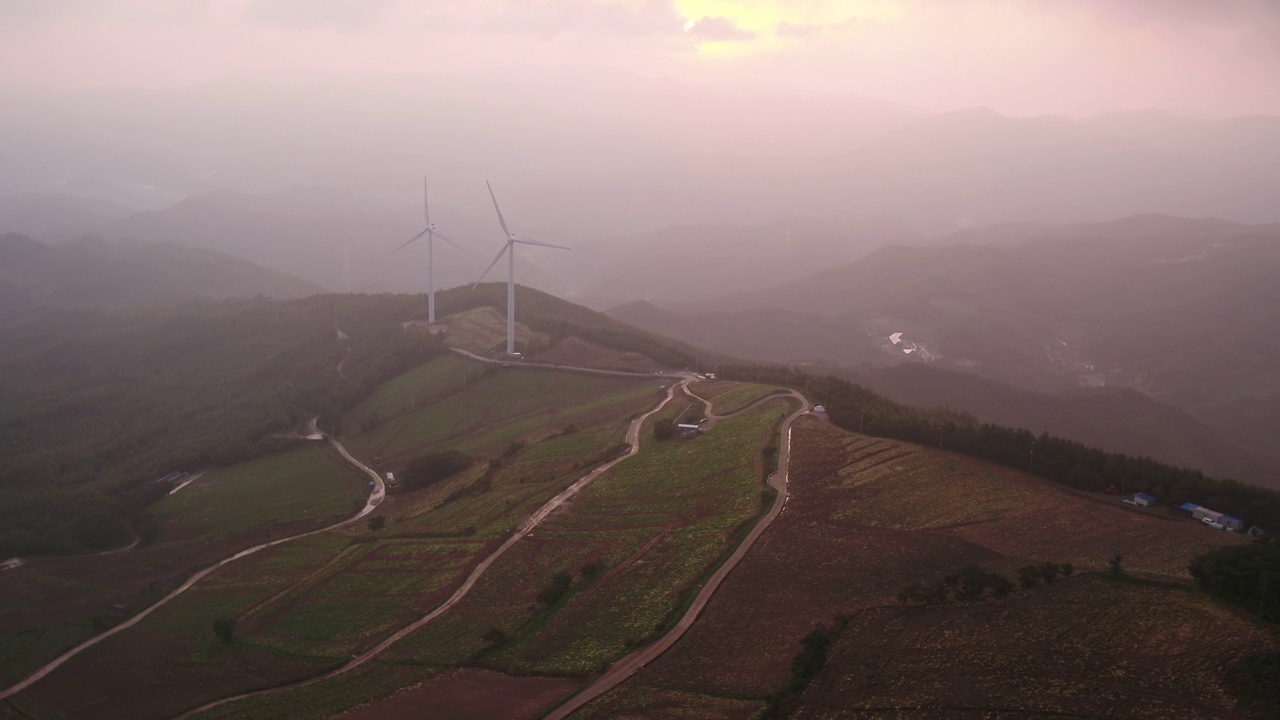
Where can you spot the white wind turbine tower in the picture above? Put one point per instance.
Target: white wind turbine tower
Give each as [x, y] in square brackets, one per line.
[509, 248]
[431, 233]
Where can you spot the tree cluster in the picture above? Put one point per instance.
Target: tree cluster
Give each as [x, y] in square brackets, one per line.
[1245, 575]
[664, 429]
[968, 583]
[433, 468]
[805, 666]
[1030, 576]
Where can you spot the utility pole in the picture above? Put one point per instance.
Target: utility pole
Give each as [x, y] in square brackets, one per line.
[1033, 457]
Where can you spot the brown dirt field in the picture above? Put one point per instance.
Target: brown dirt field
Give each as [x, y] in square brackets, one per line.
[1085, 646]
[670, 705]
[866, 517]
[468, 694]
[582, 353]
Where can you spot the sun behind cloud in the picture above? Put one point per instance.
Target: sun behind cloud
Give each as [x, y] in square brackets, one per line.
[769, 25]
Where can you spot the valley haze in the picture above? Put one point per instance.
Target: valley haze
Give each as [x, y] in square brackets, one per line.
[863, 358]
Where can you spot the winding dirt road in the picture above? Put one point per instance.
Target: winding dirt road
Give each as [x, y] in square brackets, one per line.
[375, 498]
[620, 671]
[531, 522]
[631, 664]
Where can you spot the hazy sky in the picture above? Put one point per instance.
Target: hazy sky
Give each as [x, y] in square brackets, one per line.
[1076, 57]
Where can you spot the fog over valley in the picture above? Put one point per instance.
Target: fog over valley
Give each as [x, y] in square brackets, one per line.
[738, 359]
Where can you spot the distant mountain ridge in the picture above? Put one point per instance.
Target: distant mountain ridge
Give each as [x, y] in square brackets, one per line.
[94, 271]
[628, 155]
[54, 217]
[1182, 310]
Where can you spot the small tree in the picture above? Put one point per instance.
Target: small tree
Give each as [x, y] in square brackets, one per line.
[377, 522]
[665, 429]
[556, 589]
[1049, 571]
[1029, 577]
[495, 636]
[1114, 564]
[225, 629]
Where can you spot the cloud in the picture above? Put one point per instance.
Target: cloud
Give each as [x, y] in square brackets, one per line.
[718, 29]
[603, 18]
[342, 14]
[803, 31]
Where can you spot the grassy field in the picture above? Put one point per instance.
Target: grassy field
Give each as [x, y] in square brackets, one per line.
[730, 397]
[529, 398]
[655, 524]
[421, 386]
[866, 518]
[311, 603]
[311, 485]
[483, 329]
[50, 605]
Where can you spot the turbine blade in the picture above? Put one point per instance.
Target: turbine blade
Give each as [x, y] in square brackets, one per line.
[426, 209]
[505, 246]
[442, 237]
[527, 241]
[406, 242]
[501, 221]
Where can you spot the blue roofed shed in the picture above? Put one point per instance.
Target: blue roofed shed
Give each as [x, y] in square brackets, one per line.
[1143, 499]
[1189, 507]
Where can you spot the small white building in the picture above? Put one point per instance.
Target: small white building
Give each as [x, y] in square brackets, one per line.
[688, 430]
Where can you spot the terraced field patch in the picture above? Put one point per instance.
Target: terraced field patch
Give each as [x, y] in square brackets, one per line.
[316, 601]
[1087, 646]
[867, 517]
[633, 545]
[730, 397]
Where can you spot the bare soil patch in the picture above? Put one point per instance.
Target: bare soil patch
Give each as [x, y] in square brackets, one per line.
[468, 694]
[1086, 646]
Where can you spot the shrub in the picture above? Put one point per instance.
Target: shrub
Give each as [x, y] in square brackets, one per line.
[433, 468]
[968, 583]
[1113, 565]
[225, 629]
[665, 429]
[556, 589]
[495, 636]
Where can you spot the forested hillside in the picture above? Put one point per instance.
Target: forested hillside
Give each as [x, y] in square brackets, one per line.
[94, 403]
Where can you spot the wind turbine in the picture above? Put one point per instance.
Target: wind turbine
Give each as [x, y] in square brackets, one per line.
[431, 233]
[509, 248]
